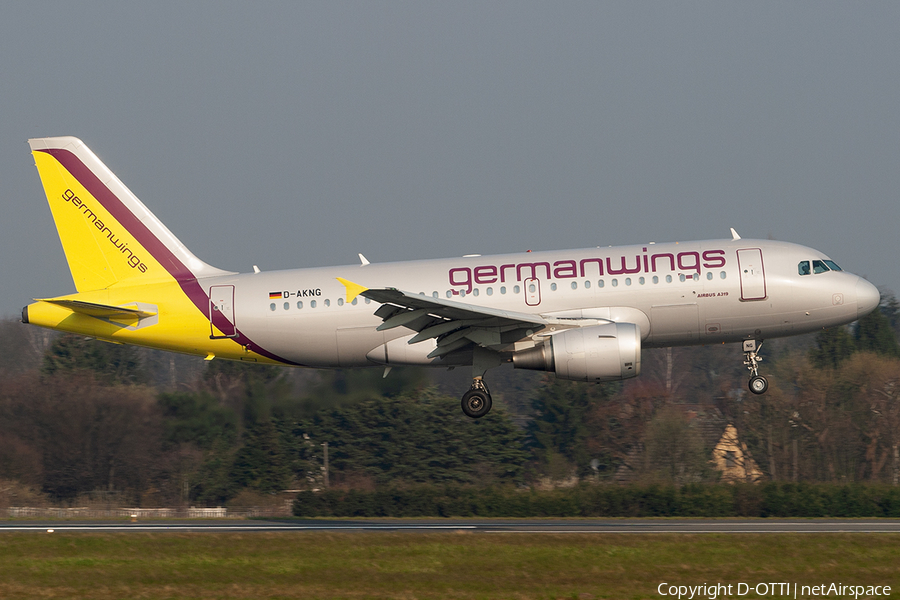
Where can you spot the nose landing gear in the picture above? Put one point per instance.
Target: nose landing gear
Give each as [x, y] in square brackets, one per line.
[477, 401]
[758, 384]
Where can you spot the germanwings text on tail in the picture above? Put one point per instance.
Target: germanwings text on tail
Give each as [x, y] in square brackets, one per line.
[582, 314]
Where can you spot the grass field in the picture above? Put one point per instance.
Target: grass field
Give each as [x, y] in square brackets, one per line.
[427, 565]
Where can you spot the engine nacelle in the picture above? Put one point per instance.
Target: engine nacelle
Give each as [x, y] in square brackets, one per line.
[607, 352]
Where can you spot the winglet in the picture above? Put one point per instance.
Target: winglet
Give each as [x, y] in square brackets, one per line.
[353, 289]
[734, 234]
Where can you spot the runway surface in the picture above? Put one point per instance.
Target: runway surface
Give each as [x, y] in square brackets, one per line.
[555, 526]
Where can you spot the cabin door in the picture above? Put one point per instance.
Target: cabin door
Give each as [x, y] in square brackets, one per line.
[753, 275]
[221, 311]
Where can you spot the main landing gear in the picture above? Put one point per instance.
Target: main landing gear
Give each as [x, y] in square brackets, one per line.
[477, 401]
[758, 384]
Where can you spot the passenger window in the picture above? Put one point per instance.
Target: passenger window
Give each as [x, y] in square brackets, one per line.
[475, 292]
[600, 283]
[327, 302]
[574, 285]
[803, 267]
[312, 303]
[709, 275]
[615, 282]
[552, 287]
[272, 306]
[299, 305]
[668, 279]
[516, 289]
[819, 267]
[502, 289]
[355, 300]
[490, 291]
[722, 274]
[655, 279]
[287, 305]
[587, 285]
[341, 301]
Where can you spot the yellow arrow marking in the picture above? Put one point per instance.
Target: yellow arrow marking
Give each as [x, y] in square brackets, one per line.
[353, 289]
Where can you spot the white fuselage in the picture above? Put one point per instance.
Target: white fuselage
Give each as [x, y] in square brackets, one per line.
[678, 293]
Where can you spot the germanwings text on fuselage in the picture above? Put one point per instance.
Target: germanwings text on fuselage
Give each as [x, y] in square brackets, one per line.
[687, 262]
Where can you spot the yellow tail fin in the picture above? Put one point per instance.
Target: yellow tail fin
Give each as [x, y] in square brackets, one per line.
[108, 235]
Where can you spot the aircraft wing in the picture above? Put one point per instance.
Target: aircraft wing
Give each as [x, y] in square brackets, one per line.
[455, 325]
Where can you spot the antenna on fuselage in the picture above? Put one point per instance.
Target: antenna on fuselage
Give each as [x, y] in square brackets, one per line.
[734, 235]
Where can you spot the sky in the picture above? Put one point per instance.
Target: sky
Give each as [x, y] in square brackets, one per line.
[297, 134]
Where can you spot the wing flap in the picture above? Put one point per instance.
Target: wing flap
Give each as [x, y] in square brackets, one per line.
[402, 318]
[439, 329]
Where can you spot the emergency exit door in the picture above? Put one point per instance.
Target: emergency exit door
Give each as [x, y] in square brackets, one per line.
[753, 274]
[532, 292]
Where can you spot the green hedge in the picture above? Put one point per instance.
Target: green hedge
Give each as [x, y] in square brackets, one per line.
[741, 500]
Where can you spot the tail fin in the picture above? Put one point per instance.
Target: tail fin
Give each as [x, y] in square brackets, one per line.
[108, 235]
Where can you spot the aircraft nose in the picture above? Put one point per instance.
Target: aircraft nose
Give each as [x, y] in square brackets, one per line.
[867, 297]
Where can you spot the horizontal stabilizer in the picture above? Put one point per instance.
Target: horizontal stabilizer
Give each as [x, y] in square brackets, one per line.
[101, 311]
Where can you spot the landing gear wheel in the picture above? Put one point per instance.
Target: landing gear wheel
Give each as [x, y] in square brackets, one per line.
[476, 403]
[758, 385]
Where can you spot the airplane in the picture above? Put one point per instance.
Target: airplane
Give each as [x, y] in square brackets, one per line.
[582, 314]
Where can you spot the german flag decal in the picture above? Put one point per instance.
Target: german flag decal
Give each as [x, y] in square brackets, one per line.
[274, 295]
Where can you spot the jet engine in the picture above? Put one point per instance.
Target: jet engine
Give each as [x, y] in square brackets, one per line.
[606, 352]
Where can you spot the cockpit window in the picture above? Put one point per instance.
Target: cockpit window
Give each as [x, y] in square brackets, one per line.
[819, 267]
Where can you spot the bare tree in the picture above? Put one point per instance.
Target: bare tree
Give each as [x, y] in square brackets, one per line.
[89, 437]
